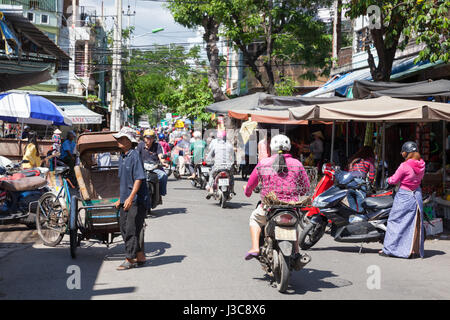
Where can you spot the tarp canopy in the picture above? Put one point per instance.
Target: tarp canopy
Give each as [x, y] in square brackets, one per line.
[341, 84]
[375, 110]
[31, 109]
[438, 88]
[363, 88]
[266, 101]
[79, 114]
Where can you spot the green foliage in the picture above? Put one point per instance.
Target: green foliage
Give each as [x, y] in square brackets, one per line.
[425, 20]
[167, 76]
[289, 28]
[285, 87]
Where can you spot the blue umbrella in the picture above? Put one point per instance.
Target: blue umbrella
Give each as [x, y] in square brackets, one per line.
[29, 108]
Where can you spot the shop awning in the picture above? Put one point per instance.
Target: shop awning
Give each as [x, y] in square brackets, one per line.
[264, 101]
[341, 84]
[265, 116]
[381, 109]
[79, 114]
[438, 88]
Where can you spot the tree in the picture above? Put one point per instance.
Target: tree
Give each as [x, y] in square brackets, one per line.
[395, 23]
[285, 33]
[203, 14]
[167, 76]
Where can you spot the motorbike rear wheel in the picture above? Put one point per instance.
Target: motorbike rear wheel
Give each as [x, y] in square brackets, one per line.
[310, 235]
[282, 273]
[177, 175]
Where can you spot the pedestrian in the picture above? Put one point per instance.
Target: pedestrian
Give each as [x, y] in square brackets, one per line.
[31, 154]
[316, 146]
[405, 235]
[134, 199]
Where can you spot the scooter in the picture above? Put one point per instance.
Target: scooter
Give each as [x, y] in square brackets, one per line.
[153, 185]
[201, 175]
[277, 242]
[223, 187]
[365, 223]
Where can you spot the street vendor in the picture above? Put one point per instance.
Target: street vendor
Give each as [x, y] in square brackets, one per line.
[134, 200]
[31, 155]
[405, 231]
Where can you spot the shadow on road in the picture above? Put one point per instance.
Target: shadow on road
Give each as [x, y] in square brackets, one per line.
[310, 280]
[166, 212]
[45, 273]
[354, 249]
[237, 205]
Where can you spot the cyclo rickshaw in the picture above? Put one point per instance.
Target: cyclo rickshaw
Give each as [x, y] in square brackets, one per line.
[89, 213]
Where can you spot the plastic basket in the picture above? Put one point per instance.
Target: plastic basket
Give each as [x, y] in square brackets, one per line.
[287, 185]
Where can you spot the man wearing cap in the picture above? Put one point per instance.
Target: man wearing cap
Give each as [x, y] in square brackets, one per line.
[151, 152]
[134, 199]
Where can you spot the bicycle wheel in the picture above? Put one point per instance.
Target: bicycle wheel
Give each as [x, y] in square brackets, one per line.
[51, 220]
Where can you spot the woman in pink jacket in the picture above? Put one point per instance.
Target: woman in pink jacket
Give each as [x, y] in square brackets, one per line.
[279, 173]
[405, 235]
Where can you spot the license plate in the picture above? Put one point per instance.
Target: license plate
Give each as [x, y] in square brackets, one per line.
[205, 170]
[284, 233]
[224, 182]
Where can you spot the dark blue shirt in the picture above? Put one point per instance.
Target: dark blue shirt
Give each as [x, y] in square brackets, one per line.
[130, 170]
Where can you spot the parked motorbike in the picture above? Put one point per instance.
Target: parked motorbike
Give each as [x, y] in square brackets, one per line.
[277, 243]
[20, 191]
[364, 223]
[223, 187]
[201, 175]
[153, 185]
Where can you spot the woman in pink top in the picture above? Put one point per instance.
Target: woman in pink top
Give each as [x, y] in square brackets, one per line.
[404, 235]
[280, 173]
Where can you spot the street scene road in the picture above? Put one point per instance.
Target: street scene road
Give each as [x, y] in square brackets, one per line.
[195, 250]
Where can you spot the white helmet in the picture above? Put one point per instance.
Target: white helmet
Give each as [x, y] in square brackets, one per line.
[280, 142]
[197, 134]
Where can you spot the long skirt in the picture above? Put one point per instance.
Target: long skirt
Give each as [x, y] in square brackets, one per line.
[405, 230]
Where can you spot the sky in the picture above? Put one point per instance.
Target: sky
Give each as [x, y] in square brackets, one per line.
[149, 15]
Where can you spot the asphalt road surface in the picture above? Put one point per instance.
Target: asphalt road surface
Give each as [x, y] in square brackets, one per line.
[196, 250]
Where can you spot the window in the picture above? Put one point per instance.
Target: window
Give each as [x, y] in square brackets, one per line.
[44, 19]
[34, 4]
[30, 16]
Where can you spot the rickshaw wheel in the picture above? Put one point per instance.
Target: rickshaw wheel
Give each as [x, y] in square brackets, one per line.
[52, 211]
[73, 226]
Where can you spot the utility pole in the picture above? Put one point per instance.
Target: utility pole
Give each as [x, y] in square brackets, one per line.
[129, 14]
[116, 94]
[337, 32]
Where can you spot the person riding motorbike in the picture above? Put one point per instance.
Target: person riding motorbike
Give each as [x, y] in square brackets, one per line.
[198, 150]
[288, 180]
[181, 154]
[152, 152]
[223, 157]
[162, 141]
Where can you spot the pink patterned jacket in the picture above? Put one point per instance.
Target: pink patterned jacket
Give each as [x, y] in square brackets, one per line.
[287, 186]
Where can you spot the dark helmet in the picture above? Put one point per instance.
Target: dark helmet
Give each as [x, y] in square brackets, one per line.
[409, 147]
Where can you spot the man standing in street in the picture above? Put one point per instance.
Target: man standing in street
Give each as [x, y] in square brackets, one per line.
[134, 199]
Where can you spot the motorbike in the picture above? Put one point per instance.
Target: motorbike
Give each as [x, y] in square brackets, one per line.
[168, 169]
[277, 242]
[201, 175]
[324, 184]
[223, 187]
[20, 191]
[353, 219]
[176, 168]
[152, 185]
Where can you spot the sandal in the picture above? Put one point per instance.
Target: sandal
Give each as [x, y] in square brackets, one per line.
[251, 255]
[141, 263]
[126, 266]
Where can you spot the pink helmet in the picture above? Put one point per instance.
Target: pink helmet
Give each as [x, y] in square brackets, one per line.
[222, 134]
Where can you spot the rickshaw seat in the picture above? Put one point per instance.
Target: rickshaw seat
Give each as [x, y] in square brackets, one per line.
[95, 185]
